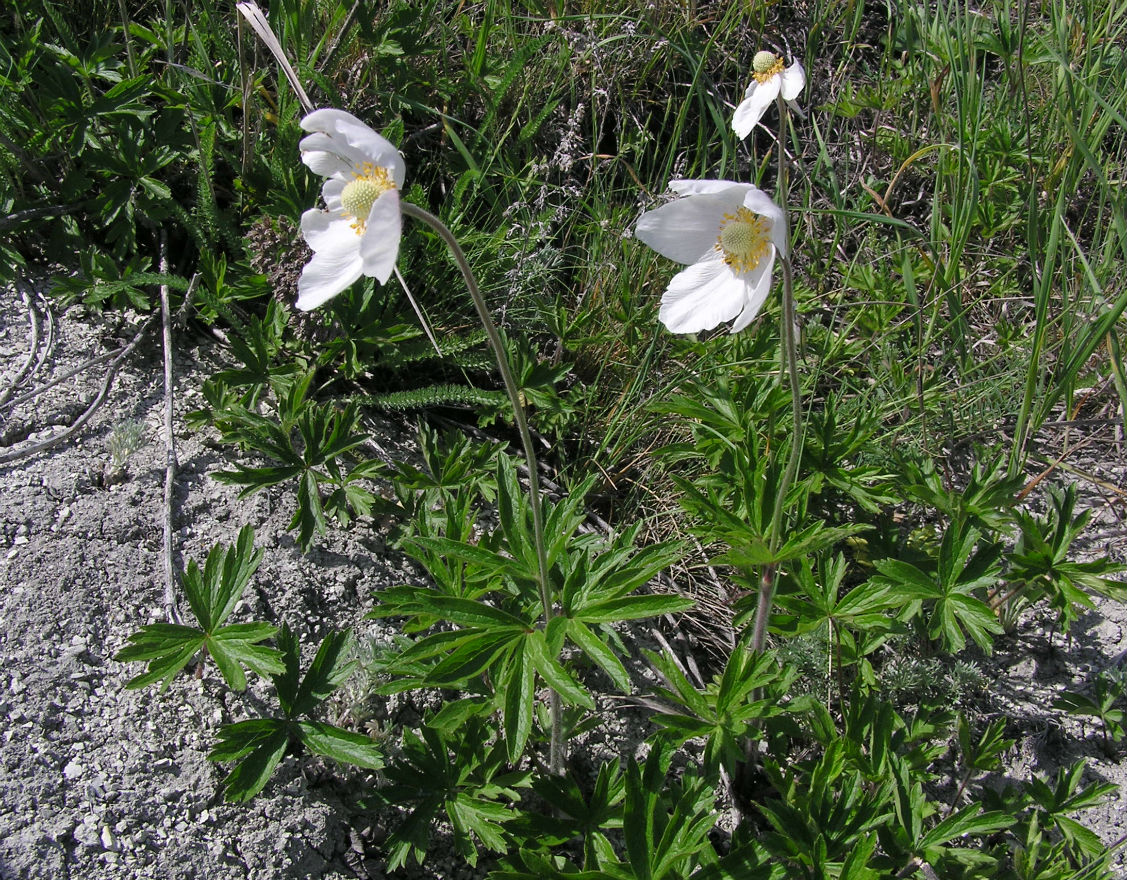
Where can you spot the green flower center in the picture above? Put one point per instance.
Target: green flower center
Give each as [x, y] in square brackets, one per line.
[360, 194]
[745, 239]
[766, 65]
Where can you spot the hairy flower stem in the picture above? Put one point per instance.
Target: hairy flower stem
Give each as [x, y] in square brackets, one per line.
[555, 754]
[770, 578]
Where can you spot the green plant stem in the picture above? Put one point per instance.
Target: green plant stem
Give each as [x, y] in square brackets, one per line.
[555, 755]
[770, 577]
[125, 36]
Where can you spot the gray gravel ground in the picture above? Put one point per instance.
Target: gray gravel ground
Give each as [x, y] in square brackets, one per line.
[98, 781]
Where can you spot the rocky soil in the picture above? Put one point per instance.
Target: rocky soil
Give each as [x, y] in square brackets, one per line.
[97, 781]
[102, 782]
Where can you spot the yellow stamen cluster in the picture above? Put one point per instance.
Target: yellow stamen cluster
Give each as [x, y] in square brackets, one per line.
[745, 239]
[361, 193]
[766, 65]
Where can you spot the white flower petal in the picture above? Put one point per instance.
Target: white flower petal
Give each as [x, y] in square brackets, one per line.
[336, 262]
[342, 134]
[758, 284]
[686, 229]
[323, 278]
[755, 103]
[379, 246]
[323, 156]
[760, 203]
[331, 192]
[332, 154]
[326, 119]
[794, 79]
[376, 148]
[328, 231]
[687, 187]
[702, 296]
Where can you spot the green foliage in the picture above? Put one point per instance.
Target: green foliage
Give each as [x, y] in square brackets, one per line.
[727, 712]
[953, 585]
[486, 591]
[986, 501]
[212, 594]
[455, 772]
[307, 443]
[256, 746]
[589, 815]
[1108, 690]
[1040, 568]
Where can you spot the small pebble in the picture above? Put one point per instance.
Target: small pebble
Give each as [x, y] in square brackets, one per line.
[88, 835]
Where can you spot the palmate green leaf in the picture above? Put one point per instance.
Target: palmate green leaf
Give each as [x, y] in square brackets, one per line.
[516, 683]
[213, 593]
[331, 667]
[413, 836]
[598, 651]
[812, 539]
[557, 678]
[956, 612]
[156, 639]
[963, 567]
[258, 746]
[621, 568]
[327, 432]
[239, 739]
[969, 820]
[984, 753]
[1066, 795]
[343, 746]
[485, 819]
[233, 647]
[815, 605]
[578, 809]
[167, 646]
[460, 770]
[633, 608]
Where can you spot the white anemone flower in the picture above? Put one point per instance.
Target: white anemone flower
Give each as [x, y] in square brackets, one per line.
[769, 77]
[728, 234]
[358, 231]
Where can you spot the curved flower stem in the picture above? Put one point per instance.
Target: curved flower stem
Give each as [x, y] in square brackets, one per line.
[555, 754]
[770, 577]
